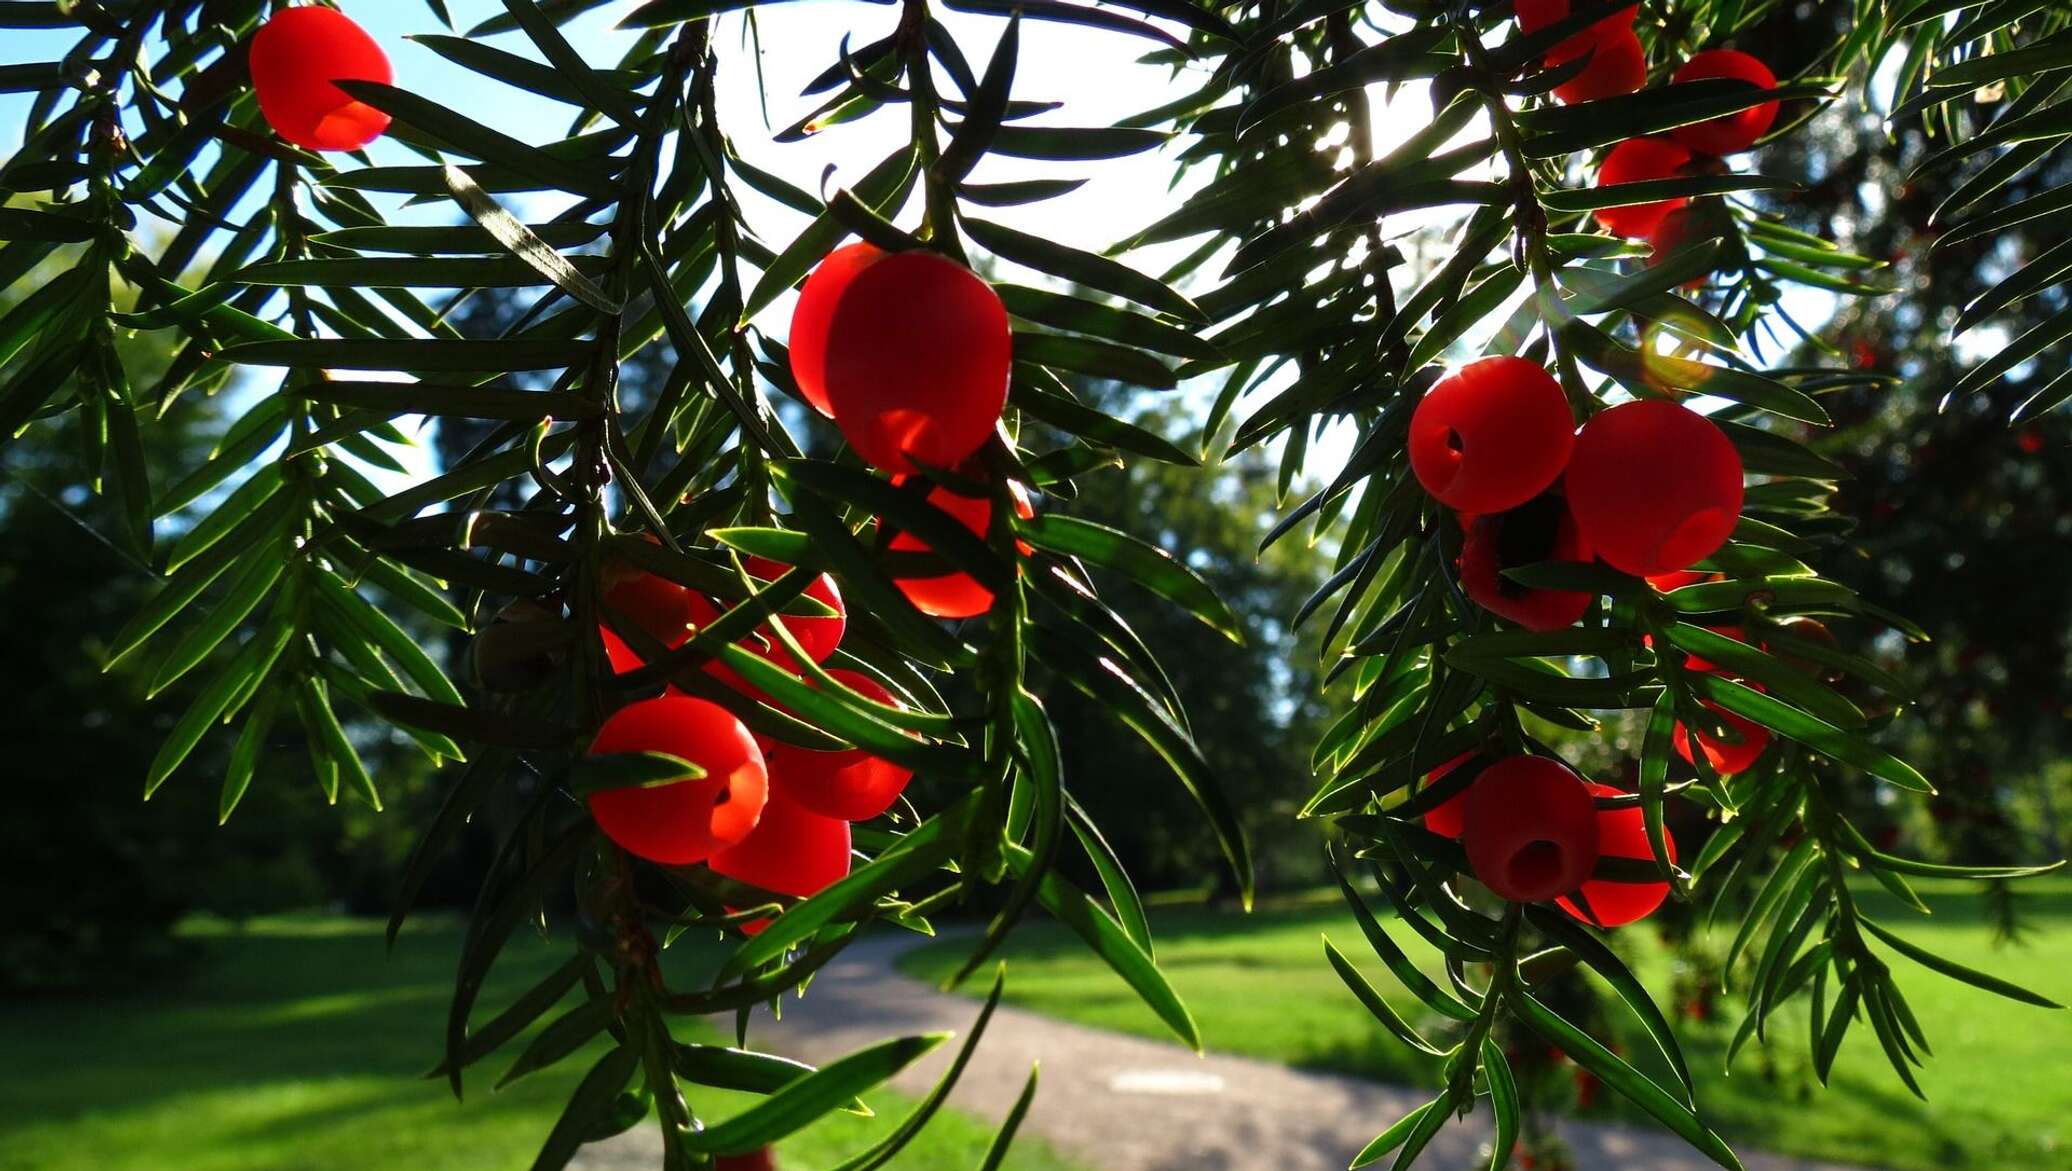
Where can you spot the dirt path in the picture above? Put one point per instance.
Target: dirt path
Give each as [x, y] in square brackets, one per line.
[1122, 1103]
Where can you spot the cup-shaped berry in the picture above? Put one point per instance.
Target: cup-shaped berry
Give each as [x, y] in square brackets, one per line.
[954, 594]
[850, 784]
[1640, 160]
[1618, 64]
[917, 359]
[1491, 436]
[1655, 487]
[1728, 133]
[1445, 817]
[815, 312]
[1530, 829]
[657, 606]
[816, 634]
[761, 1160]
[296, 57]
[685, 821]
[792, 851]
[1727, 757]
[1539, 530]
[1621, 833]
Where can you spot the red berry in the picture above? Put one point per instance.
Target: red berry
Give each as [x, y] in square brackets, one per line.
[817, 636]
[1726, 759]
[658, 606]
[1445, 818]
[792, 851]
[1729, 133]
[1664, 582]
[1530, 829]
[816, 311]
[1621, 833]
[954, 595]
[1618, 65]
[1491, 436]
[916, 361]
[296, 56]
[1539, 530]
[754, 1161]
[685, 822]
[1640, 160]
[1654, 486]
[850, 784]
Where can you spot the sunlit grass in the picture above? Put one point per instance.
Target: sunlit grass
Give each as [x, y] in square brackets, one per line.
[296, 1045]
[1998, 1096]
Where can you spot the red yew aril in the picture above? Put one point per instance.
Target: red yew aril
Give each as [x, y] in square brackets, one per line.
[817, 635]
[1728, 133]
[1539, 530]
[816, 311]
[1640, 160]
[685, 822]
[792, 851]
[1726, 758]
[658, 606]
[954, 595]
[916, 362]
[1654, 486]
[1665, 582]
[1530, 829]
[296, 56]
[1621, 833]
[761, 1160]
[1618, 65]
[850, 784]
[1445, 818]
[1491, 435]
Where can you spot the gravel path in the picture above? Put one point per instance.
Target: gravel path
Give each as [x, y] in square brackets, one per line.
[1121, 1103]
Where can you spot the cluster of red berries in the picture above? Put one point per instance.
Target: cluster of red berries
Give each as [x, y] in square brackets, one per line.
[1533, 831]
[766, 813]
[1664, 222]
[1648, 487]
[870, 349]
[296, 58]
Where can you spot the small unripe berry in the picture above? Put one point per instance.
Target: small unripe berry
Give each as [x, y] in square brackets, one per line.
[1445, 818]
[1654, 486]
[792, 851]
[954, 595]
[1621, 833]
[850, 784]
[913, 359]
[1640, 160]
[685, 822]
[1618, 65]
[1530, 829]
[1726, 758]
[1491, 435]
[1539, 530]
[1729, 133]
[296, 56]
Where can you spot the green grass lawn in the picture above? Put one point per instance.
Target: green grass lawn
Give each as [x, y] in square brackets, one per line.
[296, 1044]
[1999, 1093]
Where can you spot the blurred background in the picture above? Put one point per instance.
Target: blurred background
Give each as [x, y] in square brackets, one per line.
[187, 994]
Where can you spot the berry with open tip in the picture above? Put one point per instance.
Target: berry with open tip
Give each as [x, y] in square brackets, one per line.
[1530, 829]
[1539, 530]
[1491, 435]
[686, 821]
